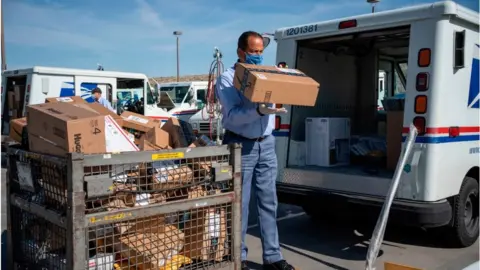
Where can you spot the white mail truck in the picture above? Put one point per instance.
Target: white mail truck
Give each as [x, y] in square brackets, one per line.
[339, 156]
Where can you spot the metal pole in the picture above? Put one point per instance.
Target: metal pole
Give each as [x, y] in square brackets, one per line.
[378, 233]
[178, 59]
[373, 8]
[178, 34]
[4, 59]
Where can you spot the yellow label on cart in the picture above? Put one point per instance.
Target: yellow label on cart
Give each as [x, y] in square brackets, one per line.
[110, 217]
[171, 155]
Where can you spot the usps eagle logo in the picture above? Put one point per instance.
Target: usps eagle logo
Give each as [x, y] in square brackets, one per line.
[474, 91]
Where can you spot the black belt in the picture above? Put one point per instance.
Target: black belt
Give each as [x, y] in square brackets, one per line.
[235, 135]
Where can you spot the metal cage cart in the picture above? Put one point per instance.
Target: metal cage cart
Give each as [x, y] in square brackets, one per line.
[163, 210]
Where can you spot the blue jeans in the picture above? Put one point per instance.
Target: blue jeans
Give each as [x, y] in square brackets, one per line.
[259, 173]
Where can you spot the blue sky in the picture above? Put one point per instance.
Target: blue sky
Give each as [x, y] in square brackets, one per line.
[136, 35]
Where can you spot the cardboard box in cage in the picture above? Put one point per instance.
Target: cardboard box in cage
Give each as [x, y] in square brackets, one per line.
[150, 250]
[206, 236]
[163, 176]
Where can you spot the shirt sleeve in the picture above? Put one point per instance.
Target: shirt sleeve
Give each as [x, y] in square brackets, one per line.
[108, 105]
[232, 109]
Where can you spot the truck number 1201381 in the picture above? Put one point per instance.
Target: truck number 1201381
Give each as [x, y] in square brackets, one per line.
[302, 30]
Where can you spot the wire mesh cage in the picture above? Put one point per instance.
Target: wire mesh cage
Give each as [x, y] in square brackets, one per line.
[169, 209]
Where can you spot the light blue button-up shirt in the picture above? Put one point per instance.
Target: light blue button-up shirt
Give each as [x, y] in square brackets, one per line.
[106, 104]
[240, 115]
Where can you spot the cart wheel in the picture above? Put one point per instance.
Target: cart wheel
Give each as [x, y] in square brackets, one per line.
[466, 218]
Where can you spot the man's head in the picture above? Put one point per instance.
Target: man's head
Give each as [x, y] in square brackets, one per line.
[97, 93]
[250, 48]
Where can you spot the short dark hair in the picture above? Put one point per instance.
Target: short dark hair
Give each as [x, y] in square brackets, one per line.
[97, 90]
[243, 39]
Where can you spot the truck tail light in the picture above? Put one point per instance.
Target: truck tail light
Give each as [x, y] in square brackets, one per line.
[419, 123]
[422, 82]
[277, 122]
[347, 24]
[420, 104]
[453, 132]
[424, 57]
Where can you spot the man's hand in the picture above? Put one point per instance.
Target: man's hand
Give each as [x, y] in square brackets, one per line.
[264, 109]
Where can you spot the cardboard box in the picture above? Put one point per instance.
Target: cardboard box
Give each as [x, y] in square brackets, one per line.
[206, 235]
[100, 109]
[19, 91]
[394, 137]
[177, 137]
[59, 128]
[270, 84]
[13, 114]
[11, 100]
[116, 139]
[73, 99]
[18, 129]
[137, 122]
[201, 168]
[149, 250]
[158, 137]
[148, 146]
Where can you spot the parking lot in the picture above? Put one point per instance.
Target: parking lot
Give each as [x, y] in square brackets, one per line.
[327, 244]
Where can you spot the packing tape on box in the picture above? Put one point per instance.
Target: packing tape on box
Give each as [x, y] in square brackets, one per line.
[284, 71]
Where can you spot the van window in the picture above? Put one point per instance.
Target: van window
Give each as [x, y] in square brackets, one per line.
[87, 87]
[201, 95]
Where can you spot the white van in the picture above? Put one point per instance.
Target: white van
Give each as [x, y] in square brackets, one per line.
[184, 98]
[37, 83]
[429, 53]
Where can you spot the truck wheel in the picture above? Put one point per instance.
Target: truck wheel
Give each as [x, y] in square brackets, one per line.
[465, 219]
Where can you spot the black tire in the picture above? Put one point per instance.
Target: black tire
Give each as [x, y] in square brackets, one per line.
[466, 219]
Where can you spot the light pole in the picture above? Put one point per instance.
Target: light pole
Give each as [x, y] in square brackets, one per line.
[178, 34]
[373, 2]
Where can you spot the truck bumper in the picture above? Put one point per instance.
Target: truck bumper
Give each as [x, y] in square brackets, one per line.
[411, 213]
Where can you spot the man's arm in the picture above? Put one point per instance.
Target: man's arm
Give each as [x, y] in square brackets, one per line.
[229, 99]
[108, 105]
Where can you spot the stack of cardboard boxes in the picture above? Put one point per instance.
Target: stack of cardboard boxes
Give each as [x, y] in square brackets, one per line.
[69, 124]
[63, 125]
[15, 101]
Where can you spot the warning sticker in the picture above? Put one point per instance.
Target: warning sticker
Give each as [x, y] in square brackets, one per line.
[171, 155]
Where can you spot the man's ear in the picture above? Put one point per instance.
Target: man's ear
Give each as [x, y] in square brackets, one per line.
[241, 55]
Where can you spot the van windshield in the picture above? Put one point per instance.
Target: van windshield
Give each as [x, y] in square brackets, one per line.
[176, 93]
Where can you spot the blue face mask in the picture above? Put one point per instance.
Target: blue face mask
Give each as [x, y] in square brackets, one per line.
[253, 59]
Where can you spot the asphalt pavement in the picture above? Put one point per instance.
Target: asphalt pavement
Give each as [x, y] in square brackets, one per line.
[329, 244]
